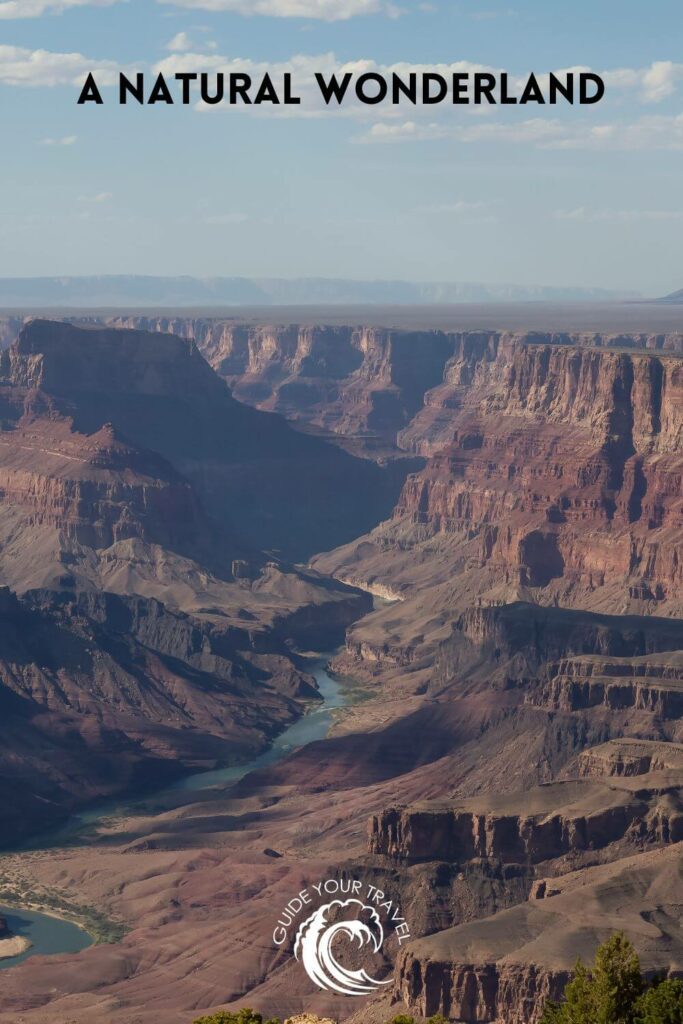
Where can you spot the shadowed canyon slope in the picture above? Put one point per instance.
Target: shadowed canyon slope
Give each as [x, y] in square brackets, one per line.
[159, 394]
[510, 768]
[127, 469]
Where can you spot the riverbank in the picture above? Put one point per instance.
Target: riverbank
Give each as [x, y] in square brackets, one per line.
[94, 923]
[19, 889]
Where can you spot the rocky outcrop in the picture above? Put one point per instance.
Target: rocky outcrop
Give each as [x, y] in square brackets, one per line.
[630, 757]
[97, 490]
[478, 993]
[577, 684]
[501, 970]
[558, 466]
[544, 634]
[533, 648]
[360, 382]
[102, 693]
[527, 828]
[10, 326]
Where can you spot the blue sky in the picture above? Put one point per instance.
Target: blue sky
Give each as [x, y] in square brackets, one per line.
[582, 196]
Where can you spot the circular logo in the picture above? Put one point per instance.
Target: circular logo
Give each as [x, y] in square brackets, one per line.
[335, 941]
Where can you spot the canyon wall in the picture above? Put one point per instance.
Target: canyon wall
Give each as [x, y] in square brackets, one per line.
[501, 970]
[360, 382]
[588, 848]
[528, 828]
[554, 475]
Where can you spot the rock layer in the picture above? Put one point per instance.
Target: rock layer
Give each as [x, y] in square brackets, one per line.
[502, 969]
[529, 827]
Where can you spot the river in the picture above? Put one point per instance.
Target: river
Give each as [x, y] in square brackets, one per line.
[50, 934]
[46, 934]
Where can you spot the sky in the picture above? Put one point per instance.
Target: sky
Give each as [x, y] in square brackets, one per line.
[570, 196]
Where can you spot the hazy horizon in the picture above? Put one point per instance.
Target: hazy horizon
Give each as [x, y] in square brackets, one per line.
[158, 291]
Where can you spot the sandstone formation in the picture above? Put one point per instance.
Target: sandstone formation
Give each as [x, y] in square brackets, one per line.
[533, 826]
[537, 448]
[630, 757]
[366, 383]
[361, 382]
[639, 683]
[502, 969]
[553, 479]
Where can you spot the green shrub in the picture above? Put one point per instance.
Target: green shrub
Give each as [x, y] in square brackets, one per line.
[661, 1004]
[613, 991]
[243, 1016]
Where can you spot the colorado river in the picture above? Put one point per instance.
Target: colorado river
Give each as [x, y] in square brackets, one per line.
[55, 935]
[313, 726]
[45, 933]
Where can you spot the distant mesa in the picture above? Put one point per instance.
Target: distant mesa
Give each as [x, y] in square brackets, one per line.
[175, 292]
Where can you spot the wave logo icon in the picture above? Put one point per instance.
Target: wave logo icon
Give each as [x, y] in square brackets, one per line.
[315, 938]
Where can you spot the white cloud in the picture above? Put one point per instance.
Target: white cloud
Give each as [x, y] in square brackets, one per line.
[183, 43]
[655, 132]
[20, 66]
[409, 131]
[653, 84]
[65, 140]
[659, 81]
[99, 197]
[534, 131]
[180, 43]
[321, 10]
[36, 8]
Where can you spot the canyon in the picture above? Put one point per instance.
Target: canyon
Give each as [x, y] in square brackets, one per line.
[485, 525]
[142, 631]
